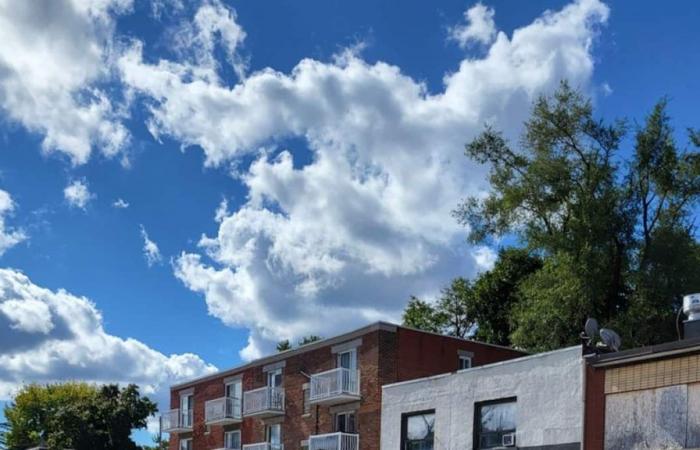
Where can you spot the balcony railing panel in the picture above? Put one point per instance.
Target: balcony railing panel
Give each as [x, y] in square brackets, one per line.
[176, 419]
[263, 446]
[222, 409]
[264, 400]
[334, 441]
[335, 382]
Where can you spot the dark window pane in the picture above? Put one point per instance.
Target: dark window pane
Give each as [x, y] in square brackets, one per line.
[419, 431]
[494, 421]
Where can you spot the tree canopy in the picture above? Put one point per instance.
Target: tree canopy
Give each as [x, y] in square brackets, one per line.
[603, 225]
[79, 416]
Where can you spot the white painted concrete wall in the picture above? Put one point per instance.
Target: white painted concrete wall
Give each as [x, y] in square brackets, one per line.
[548, 388]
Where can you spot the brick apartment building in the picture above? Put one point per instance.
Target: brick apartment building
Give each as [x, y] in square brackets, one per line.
[322, 396]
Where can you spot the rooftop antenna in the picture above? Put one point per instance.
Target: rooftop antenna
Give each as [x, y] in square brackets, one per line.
[610, 339]
[591, 328]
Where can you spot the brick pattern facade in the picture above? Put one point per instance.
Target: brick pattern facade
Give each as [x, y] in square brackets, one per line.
[387, 354]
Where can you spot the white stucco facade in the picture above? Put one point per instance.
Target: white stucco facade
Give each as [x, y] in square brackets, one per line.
[549, 408]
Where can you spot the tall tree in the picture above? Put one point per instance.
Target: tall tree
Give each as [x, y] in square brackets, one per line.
[309, 339]
[450, 315]
[284, 345]
[615, 235]
[496, 292]
[78, 416]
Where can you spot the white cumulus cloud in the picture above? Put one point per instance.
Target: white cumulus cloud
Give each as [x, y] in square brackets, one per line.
[349, 236]
[120, 203]
[150, 249]
[53, 57]
[479, 27]
[9, 237]
[50, 336]
[77, 194]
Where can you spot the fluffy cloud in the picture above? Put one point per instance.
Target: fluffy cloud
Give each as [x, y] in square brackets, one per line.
[53, 59]
[480, 27]
[346, 238]
[9, 237]
[49, 336]
[150, 249]
[120, 203]
[77, 194]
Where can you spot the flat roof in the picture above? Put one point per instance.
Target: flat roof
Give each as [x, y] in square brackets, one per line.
[651, 352]
[386, 326]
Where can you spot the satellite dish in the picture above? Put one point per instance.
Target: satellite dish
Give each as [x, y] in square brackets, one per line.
[591, 328]
[610, 339]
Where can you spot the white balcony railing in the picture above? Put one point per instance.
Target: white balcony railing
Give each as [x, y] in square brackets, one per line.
[338, 382]
[224, 409]
[334, 441]
[263, 446]
[264, 401]
[176, 420]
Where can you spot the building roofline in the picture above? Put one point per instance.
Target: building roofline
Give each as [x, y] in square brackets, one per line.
[386, 326]
[287, 353]
[484, 366]
[650, 352]
[503, 347]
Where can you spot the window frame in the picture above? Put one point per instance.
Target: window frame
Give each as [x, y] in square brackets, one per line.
[464, 358]
[269, 434]
[476, 430]
[183, 441]
[346, 421]
[230, 432]
[404, 424]
[306, 401]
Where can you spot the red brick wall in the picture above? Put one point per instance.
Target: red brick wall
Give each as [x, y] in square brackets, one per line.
[594, 413]
[425, 354]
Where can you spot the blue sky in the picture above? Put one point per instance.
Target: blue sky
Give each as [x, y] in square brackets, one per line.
[338, 172]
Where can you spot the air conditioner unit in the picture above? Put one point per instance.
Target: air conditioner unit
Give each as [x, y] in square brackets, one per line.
[508, 440]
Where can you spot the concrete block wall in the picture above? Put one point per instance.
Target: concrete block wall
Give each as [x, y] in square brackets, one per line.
[549, 408]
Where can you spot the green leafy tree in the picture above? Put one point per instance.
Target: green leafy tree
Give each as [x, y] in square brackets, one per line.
[497, 291]
[421, 315]
[78, 416]
[284, 345]
[309, 339]
[615, 234]
[450, 315]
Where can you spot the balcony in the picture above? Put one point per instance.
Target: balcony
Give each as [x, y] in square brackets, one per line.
[335, 386]
[176, 421]
[334, 441]
[263, 446]
[264, 402]
[222, 411]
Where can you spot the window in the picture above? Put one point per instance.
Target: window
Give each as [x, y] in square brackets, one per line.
[234, 389]
[185, 444]
[348, 359]
[418, 430]
[493, 420]
[345, 422]
[274, 378]
[273, 434]
[232, 440]
[186, 406]
[465, 362]
[306, 398]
